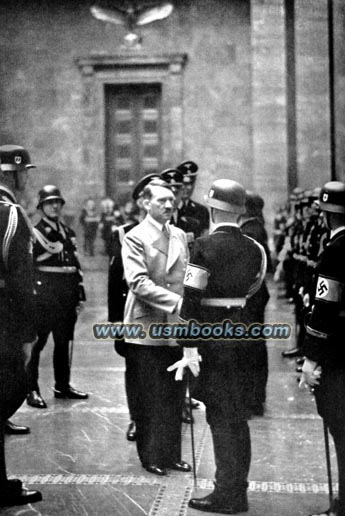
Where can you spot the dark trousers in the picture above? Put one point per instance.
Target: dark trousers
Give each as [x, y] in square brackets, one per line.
[12, 393]
[259, 358]
[159, 401]
[331, 407]
[232, 454]
[338, 433]
[226, 382]
[131, 386]
[62, 334]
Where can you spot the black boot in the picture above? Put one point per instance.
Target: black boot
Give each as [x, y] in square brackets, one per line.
[12, 493]
[215, 503]
[232, 453]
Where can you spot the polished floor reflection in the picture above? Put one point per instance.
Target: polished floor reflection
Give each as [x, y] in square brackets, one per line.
[78, 457]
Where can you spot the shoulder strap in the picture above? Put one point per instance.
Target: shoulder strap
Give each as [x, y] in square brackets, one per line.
[11, 229]
[50, 247]
[263, 268]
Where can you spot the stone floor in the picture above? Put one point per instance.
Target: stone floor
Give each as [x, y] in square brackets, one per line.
[78, 457]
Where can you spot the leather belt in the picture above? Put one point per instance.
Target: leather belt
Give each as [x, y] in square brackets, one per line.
[224, 302]
[64, 270]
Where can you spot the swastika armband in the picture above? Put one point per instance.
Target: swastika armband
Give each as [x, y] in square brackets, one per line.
[196, 277]
[328, 289]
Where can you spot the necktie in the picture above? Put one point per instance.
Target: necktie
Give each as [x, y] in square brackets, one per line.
[165, 231]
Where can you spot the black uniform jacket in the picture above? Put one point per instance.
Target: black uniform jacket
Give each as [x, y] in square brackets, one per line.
[254, 228]
[58, 277]
[117, 285]
[17, 300]
[225, 264]
[325, 327]
[193, 210]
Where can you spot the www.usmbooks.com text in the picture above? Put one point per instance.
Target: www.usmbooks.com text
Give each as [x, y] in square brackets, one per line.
[192, 330]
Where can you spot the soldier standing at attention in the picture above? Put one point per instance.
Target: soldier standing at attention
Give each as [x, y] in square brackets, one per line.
[252, 224]
[17, 307]
[323, 343]
[226, 269]
[187, 207]
[60, 293]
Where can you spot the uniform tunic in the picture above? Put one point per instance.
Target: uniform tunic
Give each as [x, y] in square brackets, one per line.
[195, 212]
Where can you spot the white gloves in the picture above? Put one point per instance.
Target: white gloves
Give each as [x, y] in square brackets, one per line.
[191, 359]
[311, 374]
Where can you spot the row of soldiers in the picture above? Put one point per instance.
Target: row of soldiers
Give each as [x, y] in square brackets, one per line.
[300, 235]
[93, 222]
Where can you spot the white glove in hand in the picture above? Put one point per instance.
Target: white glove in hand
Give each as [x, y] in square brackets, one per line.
[311, 374]
[191, 359]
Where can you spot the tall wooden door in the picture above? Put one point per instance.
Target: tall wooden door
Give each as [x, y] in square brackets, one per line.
[133, 136]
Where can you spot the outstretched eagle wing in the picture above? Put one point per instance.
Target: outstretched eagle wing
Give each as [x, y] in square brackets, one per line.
[151, 14]
[113, 15]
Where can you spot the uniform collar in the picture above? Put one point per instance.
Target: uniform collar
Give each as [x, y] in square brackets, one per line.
[225, 225]
[8, 193]
[184, 203]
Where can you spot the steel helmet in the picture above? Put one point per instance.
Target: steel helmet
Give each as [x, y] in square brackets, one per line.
[48, 193]
[332, 197]
[227, 195]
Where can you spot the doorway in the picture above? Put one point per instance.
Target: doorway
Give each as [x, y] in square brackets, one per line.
[133, 146]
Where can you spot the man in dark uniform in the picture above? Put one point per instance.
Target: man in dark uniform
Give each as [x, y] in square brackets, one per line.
[324, 366]
[190, 225]
[117, 294]
[17, 307]
[60, 293]
[226, 269]
[252, 224]
[187, 207]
